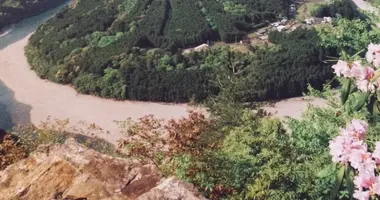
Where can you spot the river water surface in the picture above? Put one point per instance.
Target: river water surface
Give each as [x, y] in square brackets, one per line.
[12, 111]
[24, 97]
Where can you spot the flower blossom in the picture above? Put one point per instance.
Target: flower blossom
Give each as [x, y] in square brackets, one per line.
[366, 185]
[373, 54]
[361, 160]
[349, 147]
[348, 70]
[342, 146]
[362, 195]
[357, 129]
[375, 188]
[364, 180]
[364, 80]
[349, 140]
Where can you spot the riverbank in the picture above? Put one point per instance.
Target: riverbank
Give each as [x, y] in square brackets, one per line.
[13, 11]
[29, 99]
[63, 102]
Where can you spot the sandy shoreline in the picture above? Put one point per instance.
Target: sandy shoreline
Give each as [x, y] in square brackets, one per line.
[63, 102]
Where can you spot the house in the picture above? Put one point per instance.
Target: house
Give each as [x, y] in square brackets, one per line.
[327, 19]
[310, 21]
[261, 32]
[275, 24]
[281, 28]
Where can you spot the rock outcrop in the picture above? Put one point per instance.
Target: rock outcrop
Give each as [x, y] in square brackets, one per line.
[71, 171]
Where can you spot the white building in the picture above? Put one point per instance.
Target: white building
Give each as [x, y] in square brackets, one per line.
[327, 19]
[310, 21]
[201, 47]
[281, 28]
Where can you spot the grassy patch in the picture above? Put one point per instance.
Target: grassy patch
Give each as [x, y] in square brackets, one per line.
[31, 137]
[304, 11]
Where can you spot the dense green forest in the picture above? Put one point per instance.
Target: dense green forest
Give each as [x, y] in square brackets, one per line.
[12, 11]
[130, 49]
[344, 8]
[133, 50]
[236, 152]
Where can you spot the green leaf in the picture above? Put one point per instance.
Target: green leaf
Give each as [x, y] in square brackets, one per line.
[338, 182]
[361, 100]
[376, 111]
[349, 181]
[345, 91]
[326, 171]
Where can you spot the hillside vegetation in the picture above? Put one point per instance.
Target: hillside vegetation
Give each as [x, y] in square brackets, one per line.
[12, 11]
[133, 50]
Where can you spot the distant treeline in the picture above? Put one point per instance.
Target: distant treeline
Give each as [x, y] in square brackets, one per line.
[12, 11]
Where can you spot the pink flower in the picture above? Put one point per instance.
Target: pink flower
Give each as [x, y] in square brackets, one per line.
[365, 86]
[362, 160]
[364, 80]
[357, 129]
[341, 68]
[366, 73]
[375, 188]
[373, 54]
[342, 146]
[376, 153]
[349, 70]
[364, 180]
[358, 71]
[362, 195]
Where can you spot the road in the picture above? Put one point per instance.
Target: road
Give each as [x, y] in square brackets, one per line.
[364, 5]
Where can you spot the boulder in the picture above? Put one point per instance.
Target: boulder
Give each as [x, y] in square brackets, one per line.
[172, 189]
[71, 171]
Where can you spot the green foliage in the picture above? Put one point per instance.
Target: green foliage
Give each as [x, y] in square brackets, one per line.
[344, 8]
[349, 36]
[87, 84]
[156, 75]
[135, 44]
[52, 132]
[257, 159]
[286, 69]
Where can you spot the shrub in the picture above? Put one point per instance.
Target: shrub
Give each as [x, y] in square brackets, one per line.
[55, 132]
[11, 151]
[285, 70]
[349, 36]
[345, 8]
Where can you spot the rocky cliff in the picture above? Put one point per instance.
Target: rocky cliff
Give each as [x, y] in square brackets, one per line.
[71, 171]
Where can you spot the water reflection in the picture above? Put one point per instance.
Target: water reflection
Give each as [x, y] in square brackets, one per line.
[25, 27]
[11, 111]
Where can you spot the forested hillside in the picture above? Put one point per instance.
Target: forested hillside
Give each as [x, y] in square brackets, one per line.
[133, 50]
[12, 11]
